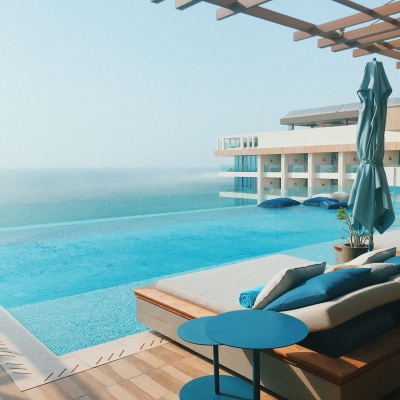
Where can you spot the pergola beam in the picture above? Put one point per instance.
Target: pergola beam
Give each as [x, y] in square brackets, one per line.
[367, 41]
[223, 13]
[360, 33]
[335, 34]
[271, 16]
[346, 22]
[183, 4]
[377, 49]
[354, 6]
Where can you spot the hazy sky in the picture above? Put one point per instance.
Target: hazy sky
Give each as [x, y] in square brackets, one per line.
[129, 83]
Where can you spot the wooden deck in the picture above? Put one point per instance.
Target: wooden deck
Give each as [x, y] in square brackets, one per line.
[154, 374]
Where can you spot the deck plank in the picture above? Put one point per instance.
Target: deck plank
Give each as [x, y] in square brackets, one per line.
[88, 386]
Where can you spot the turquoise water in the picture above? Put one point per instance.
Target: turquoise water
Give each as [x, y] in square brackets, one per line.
[69, 259]
[71, 284]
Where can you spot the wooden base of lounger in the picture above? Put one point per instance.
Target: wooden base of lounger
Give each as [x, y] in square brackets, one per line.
[294, 372]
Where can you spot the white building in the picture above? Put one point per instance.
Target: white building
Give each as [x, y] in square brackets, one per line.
[320, 157]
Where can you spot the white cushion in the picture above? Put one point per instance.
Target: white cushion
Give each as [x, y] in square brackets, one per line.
[217, 289]
[375, 256]
[340, 196]
[286, 280]
[327, 195]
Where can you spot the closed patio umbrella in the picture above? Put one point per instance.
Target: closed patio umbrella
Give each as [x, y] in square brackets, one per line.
[370, 196]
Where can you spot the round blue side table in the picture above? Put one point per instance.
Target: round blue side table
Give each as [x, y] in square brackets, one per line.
[212, 387]
[255, 330]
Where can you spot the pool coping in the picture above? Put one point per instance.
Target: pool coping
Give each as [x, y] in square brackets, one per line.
[29, 363]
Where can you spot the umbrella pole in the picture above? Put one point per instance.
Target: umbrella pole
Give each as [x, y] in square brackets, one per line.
[370, 242]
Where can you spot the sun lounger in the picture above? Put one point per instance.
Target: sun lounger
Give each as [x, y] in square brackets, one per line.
[391, 238]
[294, 372]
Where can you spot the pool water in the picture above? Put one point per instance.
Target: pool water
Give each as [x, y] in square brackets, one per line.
[71, 284]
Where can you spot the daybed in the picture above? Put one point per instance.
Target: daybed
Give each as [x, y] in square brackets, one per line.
[362, 323]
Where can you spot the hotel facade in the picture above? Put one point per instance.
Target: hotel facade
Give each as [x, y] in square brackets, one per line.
[317, 154]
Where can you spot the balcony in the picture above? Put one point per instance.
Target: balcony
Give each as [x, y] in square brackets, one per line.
[238, 168]
[236, 189]
[324, 168]
[297, 168]
[272, 168]
[352, 168]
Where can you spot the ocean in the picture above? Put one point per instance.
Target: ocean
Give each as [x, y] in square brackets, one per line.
[47, 196]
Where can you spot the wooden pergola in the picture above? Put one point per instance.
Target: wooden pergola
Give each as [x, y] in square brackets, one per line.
[365, 30]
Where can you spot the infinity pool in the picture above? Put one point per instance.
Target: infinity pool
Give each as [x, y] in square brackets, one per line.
[71, 284]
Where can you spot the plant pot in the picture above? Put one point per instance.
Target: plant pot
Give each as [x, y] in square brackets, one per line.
[349, 253]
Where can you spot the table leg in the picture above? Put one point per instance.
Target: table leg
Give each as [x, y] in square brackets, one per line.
[256, 374]
[216, 369]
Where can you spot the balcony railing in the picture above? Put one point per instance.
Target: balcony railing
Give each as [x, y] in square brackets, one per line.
[297, 168]
[236, 189]
[272, 168]
[323, 168]
[351, 168]
[272, 192]
[238, 168]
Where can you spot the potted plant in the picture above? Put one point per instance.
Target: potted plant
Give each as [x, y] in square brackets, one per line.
[356, 241]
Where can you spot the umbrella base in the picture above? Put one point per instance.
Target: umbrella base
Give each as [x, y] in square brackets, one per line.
[350, 253]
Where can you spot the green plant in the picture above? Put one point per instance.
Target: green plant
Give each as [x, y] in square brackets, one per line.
[355, 238]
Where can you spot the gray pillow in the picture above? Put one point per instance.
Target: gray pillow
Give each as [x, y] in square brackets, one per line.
[286, 280]
[381, 272]
[375, 256]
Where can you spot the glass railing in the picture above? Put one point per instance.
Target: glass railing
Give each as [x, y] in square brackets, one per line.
[351, 168]
[236, 189]
[272, 192]
[297, 168]
[272, 168]
[238, 168]
[326, 168]
[297, 192]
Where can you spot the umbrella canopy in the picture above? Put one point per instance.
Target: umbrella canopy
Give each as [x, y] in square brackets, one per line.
[370, 197]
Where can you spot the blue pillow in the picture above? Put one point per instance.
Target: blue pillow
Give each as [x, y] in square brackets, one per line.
[322, 288]
[333, 205]
[248, 297]
[316, 201]
[393, 260]
[279, 202]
